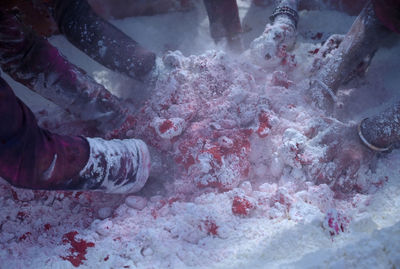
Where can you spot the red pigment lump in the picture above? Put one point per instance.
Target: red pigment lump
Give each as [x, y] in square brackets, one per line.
[210, 227]
[78, 248]
[241, 206]
[335, 222]
[165, 126]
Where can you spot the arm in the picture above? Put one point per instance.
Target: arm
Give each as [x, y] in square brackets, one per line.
[35, 63]
[363, 39]
[279, 36]
[101, 40]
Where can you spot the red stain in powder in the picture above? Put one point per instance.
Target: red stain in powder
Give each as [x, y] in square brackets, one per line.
[78, 248]
[154, 213]
[216, 153]
[106, 258]
[173, 200]
[24, 236]
[317, 36]
[47, 226]
[263, 118]
[14, 194]
[241, 206]
[314, 51]
[22, 215]
[165, 126]
[211, 227]
[337, 223]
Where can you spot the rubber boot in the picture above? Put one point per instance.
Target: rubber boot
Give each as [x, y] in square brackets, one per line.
[34, 158]
[116, 166]
[382, 131]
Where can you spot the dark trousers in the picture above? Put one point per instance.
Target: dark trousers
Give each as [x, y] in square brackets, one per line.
[224, 18]
[34, 158]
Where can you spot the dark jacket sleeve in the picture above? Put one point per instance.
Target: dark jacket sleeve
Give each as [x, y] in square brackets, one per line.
[35, 63]
[102, 41]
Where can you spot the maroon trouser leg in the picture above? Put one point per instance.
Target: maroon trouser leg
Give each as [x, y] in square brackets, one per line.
[388, 12]
[31, 157]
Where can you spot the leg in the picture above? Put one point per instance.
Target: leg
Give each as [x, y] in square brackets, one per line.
[341, 58]
[224, 21]
[31, 157]
[101, 40]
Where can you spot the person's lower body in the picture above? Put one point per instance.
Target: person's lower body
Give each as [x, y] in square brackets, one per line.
[224, 21]
[34, 158]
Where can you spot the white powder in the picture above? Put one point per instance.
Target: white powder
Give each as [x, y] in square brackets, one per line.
[238, 190]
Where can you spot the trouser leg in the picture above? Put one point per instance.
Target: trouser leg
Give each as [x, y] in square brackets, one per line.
[224, 19]
[34, 158]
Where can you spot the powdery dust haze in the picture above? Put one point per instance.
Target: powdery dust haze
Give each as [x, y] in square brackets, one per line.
[242, 176]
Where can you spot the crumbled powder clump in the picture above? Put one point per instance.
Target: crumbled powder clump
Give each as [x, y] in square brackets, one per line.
[248, 184]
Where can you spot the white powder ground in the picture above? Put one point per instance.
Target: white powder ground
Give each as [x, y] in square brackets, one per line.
[240, 188]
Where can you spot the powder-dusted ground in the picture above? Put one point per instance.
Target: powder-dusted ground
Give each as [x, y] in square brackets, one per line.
[243, 176]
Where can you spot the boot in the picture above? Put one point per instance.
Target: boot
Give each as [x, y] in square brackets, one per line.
[116, 166]
[381, 132]
[34, 158]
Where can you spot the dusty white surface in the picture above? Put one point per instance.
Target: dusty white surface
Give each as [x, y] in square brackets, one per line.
[249, 197]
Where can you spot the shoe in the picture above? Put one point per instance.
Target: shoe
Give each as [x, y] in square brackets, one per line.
[116, 166]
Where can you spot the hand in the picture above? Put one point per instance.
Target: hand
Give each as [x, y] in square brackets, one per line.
[321, 96]
[325, 52]
[273, 44]
[344, 156]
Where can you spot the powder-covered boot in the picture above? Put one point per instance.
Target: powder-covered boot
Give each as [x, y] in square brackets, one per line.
[381, 132]
[116, 166]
